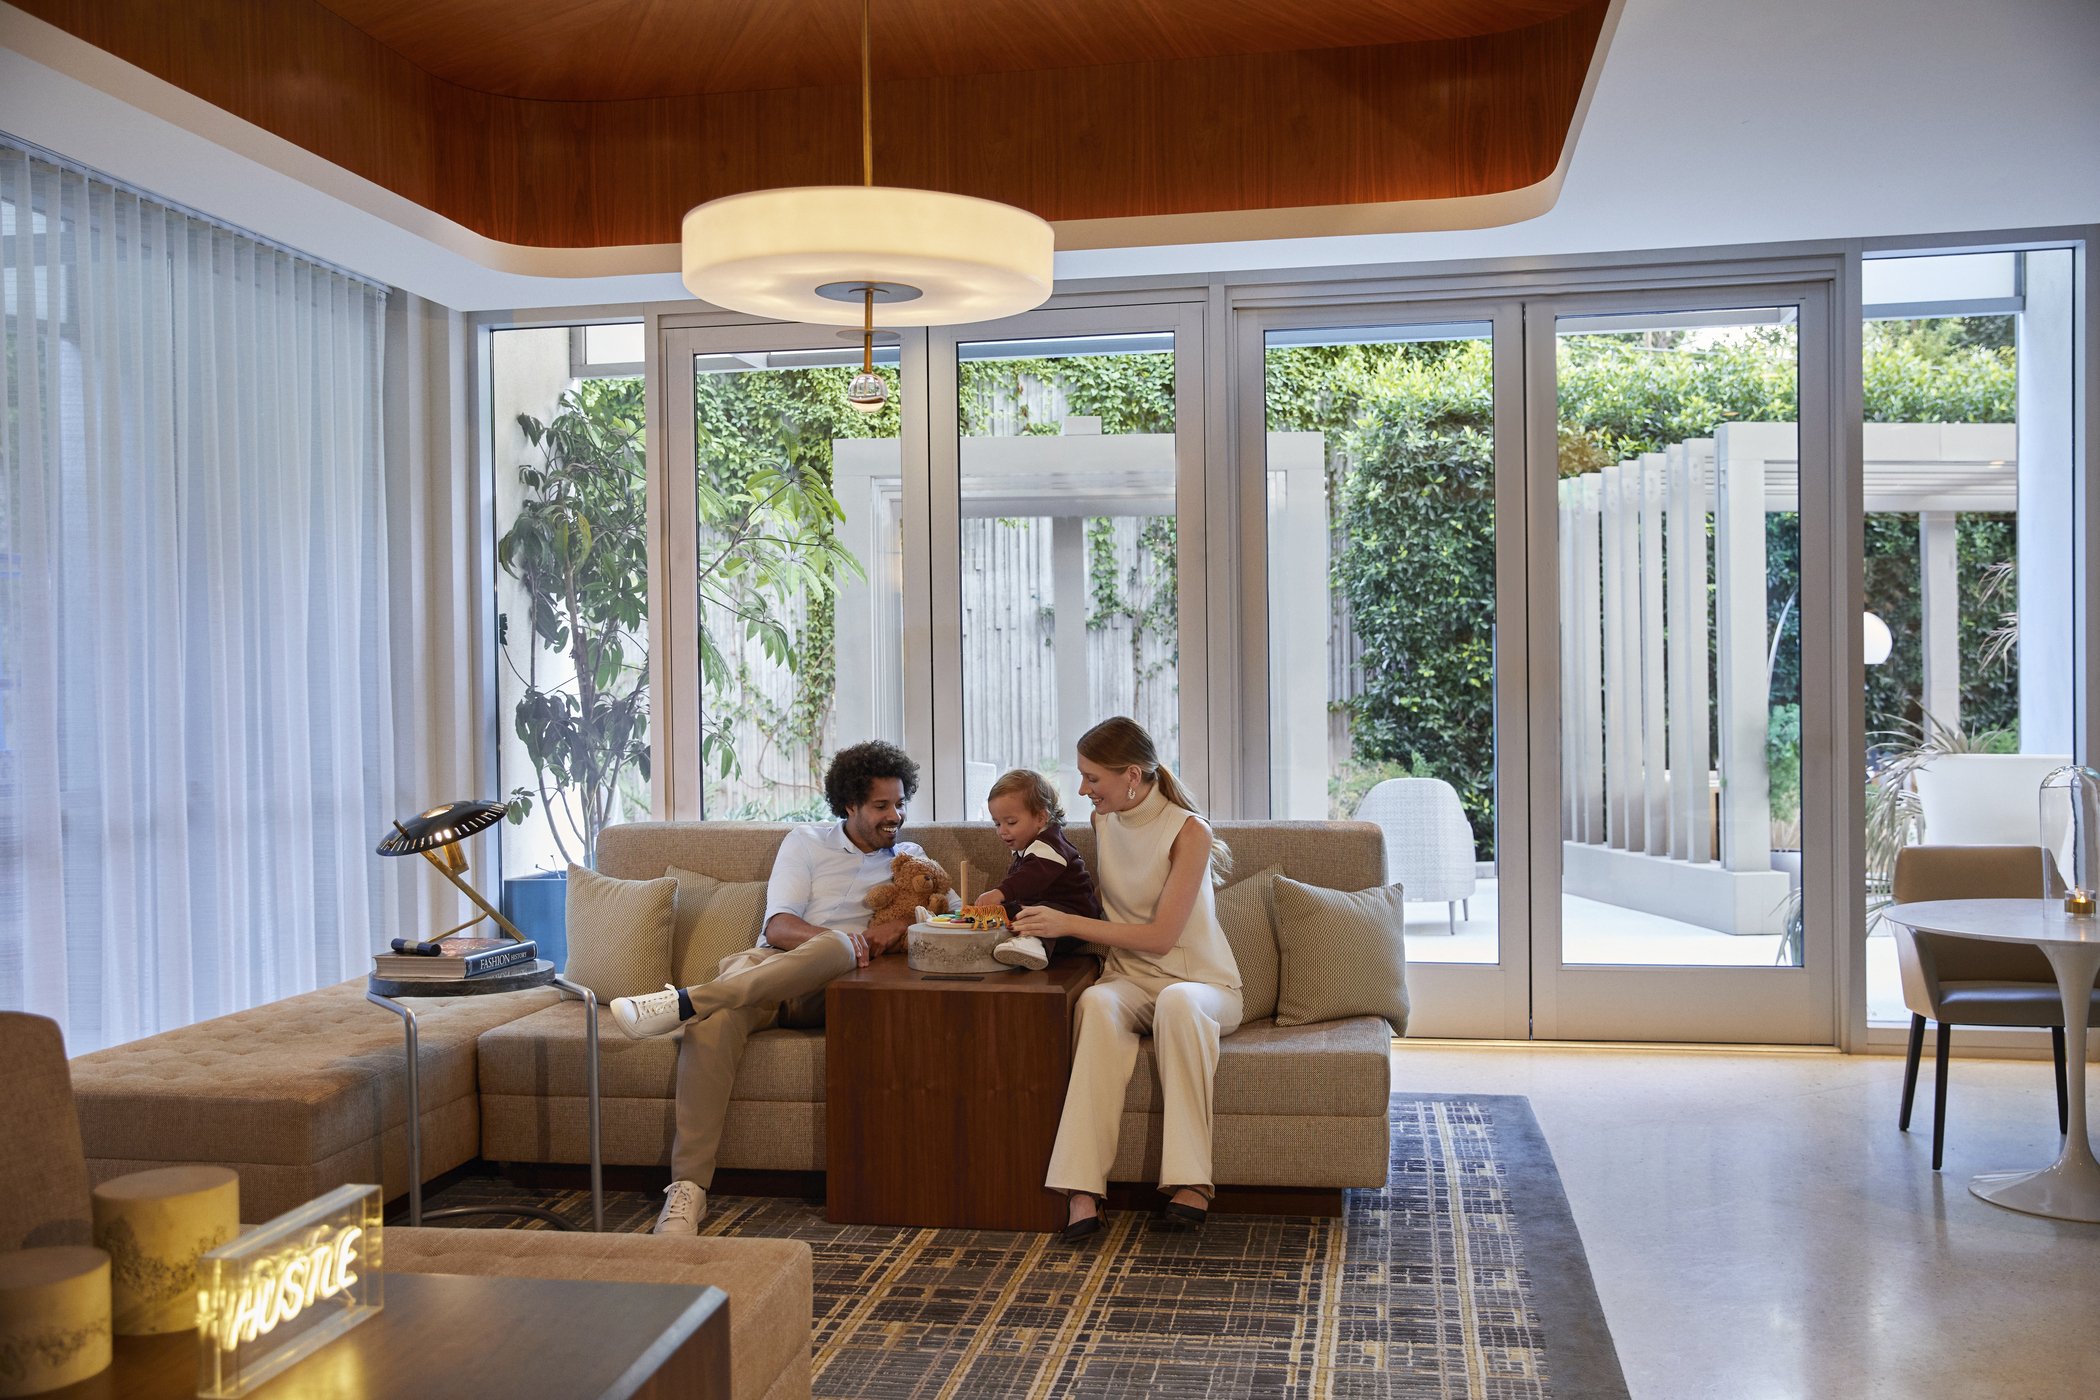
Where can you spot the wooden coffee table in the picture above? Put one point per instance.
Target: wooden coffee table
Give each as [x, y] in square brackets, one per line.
[942, 1094]
[449, 1337]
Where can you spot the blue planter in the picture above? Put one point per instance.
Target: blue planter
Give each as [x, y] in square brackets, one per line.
[539, 905]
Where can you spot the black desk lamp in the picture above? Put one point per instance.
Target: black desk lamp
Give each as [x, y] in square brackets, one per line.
[435, 835]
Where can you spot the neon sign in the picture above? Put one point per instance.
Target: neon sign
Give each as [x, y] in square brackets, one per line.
[281, 1292]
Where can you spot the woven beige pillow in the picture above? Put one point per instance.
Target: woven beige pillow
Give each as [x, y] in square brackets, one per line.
[715, 919]
[619, 933]
[1341, 954]
[1247, 913]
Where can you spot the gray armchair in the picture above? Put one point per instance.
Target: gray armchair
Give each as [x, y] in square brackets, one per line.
[1971, 981]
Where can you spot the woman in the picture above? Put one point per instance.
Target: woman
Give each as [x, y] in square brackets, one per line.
[1166, 968]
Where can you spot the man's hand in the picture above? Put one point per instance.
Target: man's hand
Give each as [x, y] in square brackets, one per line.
[886, 938]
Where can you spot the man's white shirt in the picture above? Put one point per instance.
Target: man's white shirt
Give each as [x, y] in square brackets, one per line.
[821, 876]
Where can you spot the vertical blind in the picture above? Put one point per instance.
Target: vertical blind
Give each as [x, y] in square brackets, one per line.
[195, 730]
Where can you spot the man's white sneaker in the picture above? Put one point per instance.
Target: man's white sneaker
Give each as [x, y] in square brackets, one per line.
[1022, 951]
[650, 1014]
[685, 1206]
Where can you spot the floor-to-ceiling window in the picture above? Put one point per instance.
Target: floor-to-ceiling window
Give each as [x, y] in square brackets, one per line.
[1967, 546]
[1070, 599]
[568, 440]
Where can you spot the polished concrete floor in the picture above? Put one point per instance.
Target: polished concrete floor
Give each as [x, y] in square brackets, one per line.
[1759, 1229]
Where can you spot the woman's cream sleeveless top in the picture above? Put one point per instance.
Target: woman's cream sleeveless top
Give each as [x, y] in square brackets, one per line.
[1134, 850]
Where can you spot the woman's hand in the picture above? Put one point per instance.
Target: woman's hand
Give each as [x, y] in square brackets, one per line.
[1035, 921]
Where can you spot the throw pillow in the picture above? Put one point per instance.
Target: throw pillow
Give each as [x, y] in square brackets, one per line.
[619, 933]
[1341, 954]
[1247, 913]
[715, 919]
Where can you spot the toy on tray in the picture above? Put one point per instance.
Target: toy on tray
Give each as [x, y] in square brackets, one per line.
[960, 942]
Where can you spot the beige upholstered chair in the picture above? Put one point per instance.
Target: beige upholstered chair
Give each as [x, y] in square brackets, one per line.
[1971, 981]
[43, 1172]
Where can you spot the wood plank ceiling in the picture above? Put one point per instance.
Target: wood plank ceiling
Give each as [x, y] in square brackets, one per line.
[590, 123]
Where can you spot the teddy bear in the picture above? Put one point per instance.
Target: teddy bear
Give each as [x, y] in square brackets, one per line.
[915, 882]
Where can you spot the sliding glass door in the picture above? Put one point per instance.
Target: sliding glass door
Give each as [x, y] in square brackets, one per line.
[1389, 573]
[1682, 496]
[1533, 581]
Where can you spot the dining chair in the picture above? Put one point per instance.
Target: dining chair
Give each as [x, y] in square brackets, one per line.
[1971, 981]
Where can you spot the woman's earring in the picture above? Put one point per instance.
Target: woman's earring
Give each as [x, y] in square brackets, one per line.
[1131, 796]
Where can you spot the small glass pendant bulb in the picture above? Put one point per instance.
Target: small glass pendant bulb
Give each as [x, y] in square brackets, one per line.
[867, 393]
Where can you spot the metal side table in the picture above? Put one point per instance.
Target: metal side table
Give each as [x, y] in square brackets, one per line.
[394, 996]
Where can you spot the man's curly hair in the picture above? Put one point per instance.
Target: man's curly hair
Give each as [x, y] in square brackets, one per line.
[853, 772]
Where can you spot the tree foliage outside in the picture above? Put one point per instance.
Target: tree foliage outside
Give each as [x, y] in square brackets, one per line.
[579, 548]
[770, 567]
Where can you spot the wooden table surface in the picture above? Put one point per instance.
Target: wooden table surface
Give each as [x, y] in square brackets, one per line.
[448, 1337]
[942, 1094]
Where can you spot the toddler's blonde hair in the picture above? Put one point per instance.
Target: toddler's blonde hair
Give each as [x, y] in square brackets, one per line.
[1032, 788]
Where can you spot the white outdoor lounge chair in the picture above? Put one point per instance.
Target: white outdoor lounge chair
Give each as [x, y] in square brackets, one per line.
[1428, 841]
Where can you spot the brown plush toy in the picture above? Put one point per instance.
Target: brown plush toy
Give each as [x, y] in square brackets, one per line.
[913, 881]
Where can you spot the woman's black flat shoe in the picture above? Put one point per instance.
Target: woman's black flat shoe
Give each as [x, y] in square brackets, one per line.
[1080, 1229]
[1183, 1217]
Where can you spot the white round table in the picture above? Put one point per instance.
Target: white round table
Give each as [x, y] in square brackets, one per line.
[2069, 1187]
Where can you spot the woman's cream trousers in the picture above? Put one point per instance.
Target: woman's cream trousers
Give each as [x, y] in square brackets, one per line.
[1186, 1020]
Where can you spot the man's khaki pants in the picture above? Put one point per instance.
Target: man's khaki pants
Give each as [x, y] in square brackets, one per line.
[1186, 1020]
[753, 990]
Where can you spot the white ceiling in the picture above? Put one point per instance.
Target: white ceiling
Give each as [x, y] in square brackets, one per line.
[1712, 123]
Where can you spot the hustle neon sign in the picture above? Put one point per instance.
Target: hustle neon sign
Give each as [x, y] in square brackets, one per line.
[281, 1292]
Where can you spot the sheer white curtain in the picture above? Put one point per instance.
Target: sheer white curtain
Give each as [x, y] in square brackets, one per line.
[196, 703]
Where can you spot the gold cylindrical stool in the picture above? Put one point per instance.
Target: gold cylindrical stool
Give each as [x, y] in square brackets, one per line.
[54, 1318]
[154, 1225]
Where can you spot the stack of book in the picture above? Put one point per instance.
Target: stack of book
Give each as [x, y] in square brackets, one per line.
[453, 960]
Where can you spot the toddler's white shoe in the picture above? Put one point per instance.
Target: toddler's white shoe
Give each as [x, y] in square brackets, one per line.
[650, 1014]
[1022, 951]
[685, 1206]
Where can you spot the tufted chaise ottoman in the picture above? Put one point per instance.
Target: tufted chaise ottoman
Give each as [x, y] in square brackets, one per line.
[298, 1096]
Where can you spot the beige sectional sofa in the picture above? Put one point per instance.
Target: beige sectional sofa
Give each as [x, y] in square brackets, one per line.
[1297, 1107]
[306, 1094]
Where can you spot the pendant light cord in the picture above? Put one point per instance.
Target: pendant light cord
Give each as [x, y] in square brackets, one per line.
[867, 175]
[867, 99]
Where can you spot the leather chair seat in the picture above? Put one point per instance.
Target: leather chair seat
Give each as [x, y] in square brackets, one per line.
[2007, 1004]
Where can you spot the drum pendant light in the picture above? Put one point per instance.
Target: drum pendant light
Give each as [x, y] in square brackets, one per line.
[830, 254]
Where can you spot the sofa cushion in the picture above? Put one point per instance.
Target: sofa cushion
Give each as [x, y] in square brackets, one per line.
[1334, 1069]
[1247, 913]
[1342, 954]
[293, 1083]
[768, 1282]
[715, 920]
[543, 1054]
[619, 932]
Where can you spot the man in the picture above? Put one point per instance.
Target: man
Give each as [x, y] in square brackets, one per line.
[815, 929]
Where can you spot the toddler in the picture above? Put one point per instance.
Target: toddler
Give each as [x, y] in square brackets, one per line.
[1046, 870]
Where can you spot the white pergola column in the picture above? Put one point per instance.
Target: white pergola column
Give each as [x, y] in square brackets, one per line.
[1743, 687]
[1691, 824]
[1565, 492]
[1655, 784]
[1068, 595]
[1939, 578]
[1588, 673]
[1300, 596]
[1621, 691]
[2047, 356]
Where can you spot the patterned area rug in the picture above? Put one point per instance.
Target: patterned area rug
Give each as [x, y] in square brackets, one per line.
[1463, 1280]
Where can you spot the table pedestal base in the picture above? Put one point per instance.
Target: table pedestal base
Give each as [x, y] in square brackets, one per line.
[2067, 1190]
